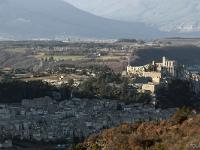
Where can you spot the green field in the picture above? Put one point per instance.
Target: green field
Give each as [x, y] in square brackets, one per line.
[108, 57]
[69, 57]
[16, 50]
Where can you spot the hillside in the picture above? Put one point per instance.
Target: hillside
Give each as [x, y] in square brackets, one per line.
[52, 19]
[167, 15]
[182, 54]
[178, 133]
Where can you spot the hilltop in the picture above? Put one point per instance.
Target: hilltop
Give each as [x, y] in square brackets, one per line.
[178, 133]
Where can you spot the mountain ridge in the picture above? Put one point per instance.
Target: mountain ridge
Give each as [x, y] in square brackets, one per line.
[170, 16]
[55, 18]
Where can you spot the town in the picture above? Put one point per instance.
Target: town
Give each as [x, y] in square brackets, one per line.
[70, 121]
[99, 75]
[65, 92]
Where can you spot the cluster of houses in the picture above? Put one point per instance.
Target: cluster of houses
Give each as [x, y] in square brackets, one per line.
[44, 119]
[162, 72]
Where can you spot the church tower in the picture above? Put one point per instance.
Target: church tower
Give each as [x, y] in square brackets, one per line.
[164, 61]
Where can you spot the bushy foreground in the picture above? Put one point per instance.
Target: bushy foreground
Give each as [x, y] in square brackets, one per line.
[181, 132]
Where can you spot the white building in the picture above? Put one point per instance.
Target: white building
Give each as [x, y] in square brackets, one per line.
[135, 70]
[156, 72]
[167, 68]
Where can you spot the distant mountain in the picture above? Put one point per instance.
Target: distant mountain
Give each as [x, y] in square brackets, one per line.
[21, 19]
[180, 16]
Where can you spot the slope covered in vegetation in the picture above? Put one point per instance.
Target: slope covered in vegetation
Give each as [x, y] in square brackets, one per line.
[181, 132]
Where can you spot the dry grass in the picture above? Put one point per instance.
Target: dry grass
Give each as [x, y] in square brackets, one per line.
[40, 55]
[164, 135]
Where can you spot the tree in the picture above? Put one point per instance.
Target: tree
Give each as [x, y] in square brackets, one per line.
[181, 115]
[13, 91]
[144, 98]
[124, 90]
[177, 93]
[51, 59]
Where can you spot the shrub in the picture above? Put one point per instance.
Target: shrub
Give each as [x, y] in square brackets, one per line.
[95, 147]
[158, 147]
[181, 115]
[80, 147]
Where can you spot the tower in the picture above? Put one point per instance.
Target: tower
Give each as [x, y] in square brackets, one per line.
[153, 62]
[164, 60]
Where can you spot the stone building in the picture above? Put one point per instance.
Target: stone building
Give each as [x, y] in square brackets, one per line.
[195, 79]
[149, 87]
[138, 71]
[167, 68]
[37, 102]
[155, 76]
[157, 72]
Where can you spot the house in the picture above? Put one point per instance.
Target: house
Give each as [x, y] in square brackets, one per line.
[155, 76]
[37, 102]
[149, 87]
[138, 71]
[5, 144]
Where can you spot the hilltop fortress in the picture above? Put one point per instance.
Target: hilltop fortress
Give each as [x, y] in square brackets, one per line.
[167, 68]
[157, 72]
